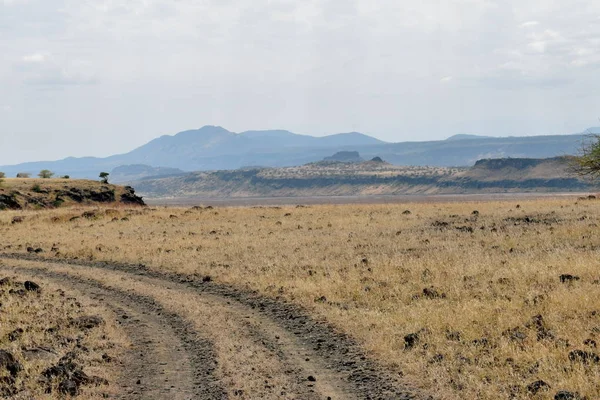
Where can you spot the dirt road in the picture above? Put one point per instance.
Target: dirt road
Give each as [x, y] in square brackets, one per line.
[195, 339]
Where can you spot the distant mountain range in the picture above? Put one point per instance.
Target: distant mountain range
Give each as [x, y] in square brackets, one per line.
[215, 148]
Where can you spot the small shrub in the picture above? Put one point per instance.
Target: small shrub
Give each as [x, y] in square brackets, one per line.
[46, 174]
[36, 188]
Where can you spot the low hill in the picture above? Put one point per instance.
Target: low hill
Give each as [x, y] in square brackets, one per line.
[370, 178]
[345, 156]
[17, 194]
[127, 173]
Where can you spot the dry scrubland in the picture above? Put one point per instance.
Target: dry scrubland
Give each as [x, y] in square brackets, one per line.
[465, 300]
[54, 345]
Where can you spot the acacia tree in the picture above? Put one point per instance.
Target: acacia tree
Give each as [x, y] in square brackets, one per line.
[104, 177]
[23, 175]
[46, 174]
[587, 163]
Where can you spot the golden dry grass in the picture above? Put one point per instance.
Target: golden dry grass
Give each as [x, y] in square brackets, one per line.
[37, 329]
[364, 268]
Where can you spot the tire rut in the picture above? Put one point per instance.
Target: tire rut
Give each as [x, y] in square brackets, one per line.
[327, 363]
[166, 359]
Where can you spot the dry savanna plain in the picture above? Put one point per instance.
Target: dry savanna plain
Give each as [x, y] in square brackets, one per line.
[453, 300]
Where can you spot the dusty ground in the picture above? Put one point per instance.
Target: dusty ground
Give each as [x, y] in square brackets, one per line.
[479, 299]
[200, 340]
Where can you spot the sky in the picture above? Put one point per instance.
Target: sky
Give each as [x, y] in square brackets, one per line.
[101, 77]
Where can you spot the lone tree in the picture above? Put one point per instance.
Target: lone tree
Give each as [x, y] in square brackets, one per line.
[46, 174]
[104, 177]
[587, 163]
[2, 175]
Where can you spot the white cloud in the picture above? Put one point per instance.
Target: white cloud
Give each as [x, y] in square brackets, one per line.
[314, 66]
[34, 58]
[12, 2]
[529, 24]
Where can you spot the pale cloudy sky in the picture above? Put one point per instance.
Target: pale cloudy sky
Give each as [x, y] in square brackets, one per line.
[98, 77]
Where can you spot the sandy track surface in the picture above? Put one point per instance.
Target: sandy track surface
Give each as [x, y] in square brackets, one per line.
[201, 340]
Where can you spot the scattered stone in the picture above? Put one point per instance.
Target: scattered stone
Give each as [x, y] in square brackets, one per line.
[311, 378]
[453, 336]
[15, 335]
[436, 359]
[475, 212]
[590, 343]
[8, 362]
[406, 212]
[564, 395]
[5, 281]
[567, 278]
[69, 387]
[89, 214]
[17, 220]
[515, 334]
[31, 286]
[87, 321]
[537, 386]
[466, 229]
[206, 279]
[432, 293]
[411, 340]
[483, 342]
[30, 249]
[538, 324]
[584, 357]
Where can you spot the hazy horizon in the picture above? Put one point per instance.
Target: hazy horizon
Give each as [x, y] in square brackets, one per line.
[86, 78]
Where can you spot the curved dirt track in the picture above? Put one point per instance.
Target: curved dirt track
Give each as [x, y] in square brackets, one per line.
[202, 340]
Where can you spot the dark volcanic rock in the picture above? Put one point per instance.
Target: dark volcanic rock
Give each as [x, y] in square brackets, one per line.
[432, 293]
[129, 197]
[87, 321]
[15, 335]
[538, 324]
[31, 286]
[515, 334]
[69, 387]
[17, 220]
[9, 202]
[565, 395]
[537, 386]
[8, 362]
[5, 281]
[411, 340]
[584, 357]
[566, 278]
[104, 196]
